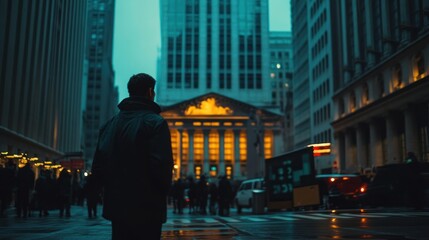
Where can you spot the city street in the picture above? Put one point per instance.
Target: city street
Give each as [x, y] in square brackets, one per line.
[344, 224]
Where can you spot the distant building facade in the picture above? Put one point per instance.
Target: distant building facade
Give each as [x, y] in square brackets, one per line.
[101, 94]
[381, 99]
[281, 67]
[42, 46]
[214, 135]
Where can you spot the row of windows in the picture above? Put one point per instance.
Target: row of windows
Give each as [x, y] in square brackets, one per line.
[280, 54]
[321, 91]
[315, 6]
[320, 44]
[322, 115]
[321, 67]
[321, 20]
[323, 137]
[396, 82]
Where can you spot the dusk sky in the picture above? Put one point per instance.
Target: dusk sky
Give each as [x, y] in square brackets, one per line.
[137, 39]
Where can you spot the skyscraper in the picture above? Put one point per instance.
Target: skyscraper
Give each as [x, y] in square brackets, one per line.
[101, 94]
[41, 52]
[214, 46]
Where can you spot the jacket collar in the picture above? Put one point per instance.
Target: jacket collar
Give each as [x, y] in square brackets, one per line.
[136, 103]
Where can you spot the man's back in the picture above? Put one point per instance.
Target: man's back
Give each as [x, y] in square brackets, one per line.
[134, 162]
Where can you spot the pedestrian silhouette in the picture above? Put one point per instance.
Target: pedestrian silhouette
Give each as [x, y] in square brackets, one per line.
[7, 182]
[92, 193]
[133, 163]
[64, 191]
[213, 191]
[25, 187]
[202, 194]
[192, 194]
[225, 196]
[44, 188]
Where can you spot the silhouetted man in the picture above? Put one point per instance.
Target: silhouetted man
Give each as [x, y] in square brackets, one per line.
[133, 162]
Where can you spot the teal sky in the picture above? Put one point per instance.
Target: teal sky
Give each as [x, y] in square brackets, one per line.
[137, 38]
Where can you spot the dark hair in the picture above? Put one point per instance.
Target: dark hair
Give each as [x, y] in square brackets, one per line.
[139, 84]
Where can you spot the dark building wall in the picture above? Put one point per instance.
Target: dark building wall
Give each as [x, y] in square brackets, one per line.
[41, 69]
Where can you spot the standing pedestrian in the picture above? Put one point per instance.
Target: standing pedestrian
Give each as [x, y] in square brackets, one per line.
[213, 190]
[203, 194]
[133, 162]
[92, 194]
[7, 182]
[25, 186]
[225, 196]
[64, 191]
[192, 194]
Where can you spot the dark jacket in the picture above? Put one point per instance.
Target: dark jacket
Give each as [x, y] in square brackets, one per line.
[133, 162]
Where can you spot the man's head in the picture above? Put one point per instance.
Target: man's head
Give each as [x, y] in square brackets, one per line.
[142, 85]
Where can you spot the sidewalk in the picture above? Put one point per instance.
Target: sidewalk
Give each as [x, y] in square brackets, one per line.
[78, 226]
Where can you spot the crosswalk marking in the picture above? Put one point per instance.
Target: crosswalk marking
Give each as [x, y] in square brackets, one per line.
[393, 214]
[283, 218]
[308, 217]
[287, 217]
[231, 220]
[254, 219]
[361, 215]
[329, 215]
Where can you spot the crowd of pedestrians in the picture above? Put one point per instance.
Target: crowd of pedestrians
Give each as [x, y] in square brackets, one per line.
[202, 196]
[20, 188]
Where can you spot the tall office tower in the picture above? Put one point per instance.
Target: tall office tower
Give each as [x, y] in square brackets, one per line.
[301, 78]
[214, 46]
[41, 52]
[101, 94]
[381, 99]
[281, 67]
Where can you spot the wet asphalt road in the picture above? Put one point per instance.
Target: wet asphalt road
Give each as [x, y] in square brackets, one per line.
[344, 224]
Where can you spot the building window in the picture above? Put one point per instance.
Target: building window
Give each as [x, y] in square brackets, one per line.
[352, 103]
[397, 77]
[268, 144]
[419, 67]
[198, 145]
[185, 146]
[243, 146]
[228, 145]
[175, 144]
[213, 145]
[365, 94]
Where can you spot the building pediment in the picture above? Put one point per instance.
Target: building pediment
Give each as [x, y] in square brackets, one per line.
[214, 105]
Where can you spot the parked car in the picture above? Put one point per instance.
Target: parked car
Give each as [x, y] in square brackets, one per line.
[341, 190]
[399, 185]
[244, 195]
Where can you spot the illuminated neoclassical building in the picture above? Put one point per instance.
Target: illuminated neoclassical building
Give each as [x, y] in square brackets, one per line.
[216, 135]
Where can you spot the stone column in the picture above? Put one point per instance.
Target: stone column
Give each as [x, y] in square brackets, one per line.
[387, 44]
[350, 163]
[369, 31]
[405, 22]
[392, 139]
[179, 162]
[237, 172]
[221, 152]
[191, 153]
[361, 147]
[411, 132]
[355, 18]
[206, 160]
[375, 143]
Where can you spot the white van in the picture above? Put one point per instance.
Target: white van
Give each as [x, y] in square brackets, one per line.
[243, 198]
